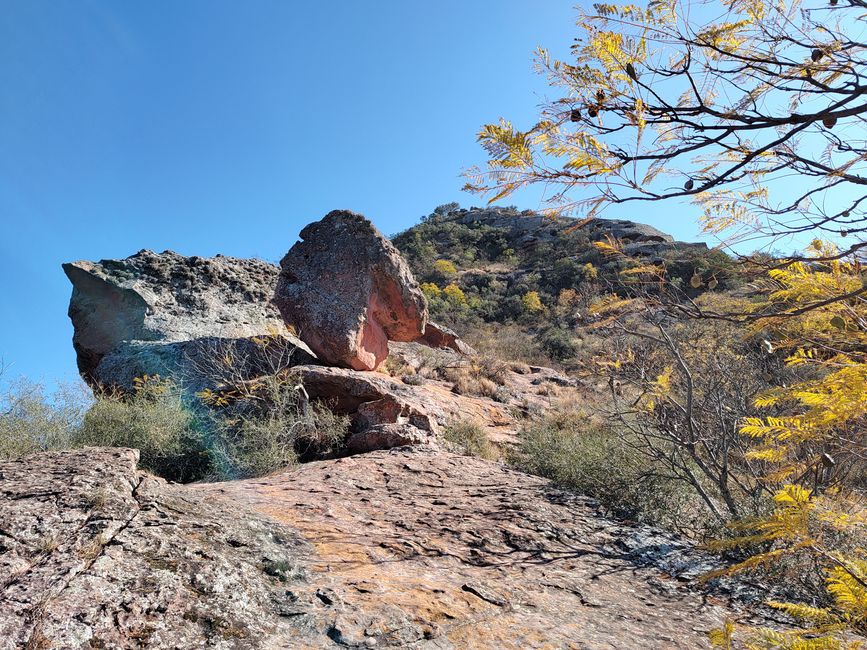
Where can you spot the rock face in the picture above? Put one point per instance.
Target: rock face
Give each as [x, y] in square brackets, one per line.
[348, 291]
[95, 554]
[401, 548]
[168, 314]
[439, 336]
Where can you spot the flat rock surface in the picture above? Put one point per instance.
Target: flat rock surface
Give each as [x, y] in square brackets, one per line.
[400, 548]
[433, 550]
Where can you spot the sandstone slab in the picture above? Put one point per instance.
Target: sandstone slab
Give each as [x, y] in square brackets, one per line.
[411, 547]
[440, 336]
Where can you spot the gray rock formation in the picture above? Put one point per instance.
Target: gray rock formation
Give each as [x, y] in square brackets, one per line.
[528, 226]
[347, 291]
[95, 554]
[440, 336]
[167, 314]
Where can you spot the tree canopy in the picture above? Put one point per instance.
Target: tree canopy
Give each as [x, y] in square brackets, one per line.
[753, 110]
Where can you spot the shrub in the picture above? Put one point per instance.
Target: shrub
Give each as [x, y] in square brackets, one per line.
[279, 429]
[31, 421]
[431, 290]
[445, 270]
[455, 295]
[470, 439]
[532, 303]
[575, 452]
[154, 419]
[558, 343]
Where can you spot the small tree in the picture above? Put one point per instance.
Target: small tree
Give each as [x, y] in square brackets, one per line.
[755, 112]
[714, 102]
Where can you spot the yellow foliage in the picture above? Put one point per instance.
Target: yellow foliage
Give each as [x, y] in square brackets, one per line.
[532, 303]
[455, 295]
[820, 415]
[431, 290]
[445, 268]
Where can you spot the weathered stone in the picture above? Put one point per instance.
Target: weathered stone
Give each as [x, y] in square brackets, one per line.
[347, 291]
[387, 436]
[208, 362]
[95, 554]
[369, 398]
[156, 313]
[411, 547]
[421, 548]
[439, 336]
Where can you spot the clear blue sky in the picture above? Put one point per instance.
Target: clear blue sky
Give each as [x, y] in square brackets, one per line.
[224, 127]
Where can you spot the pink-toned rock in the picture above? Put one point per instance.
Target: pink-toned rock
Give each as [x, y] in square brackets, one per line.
[347, 291]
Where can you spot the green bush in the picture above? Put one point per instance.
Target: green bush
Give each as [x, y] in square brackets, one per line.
[470, 439]
[572, 451]
[558, 343]
[262, 443]
[31, 421]
[176, 440]
[170, 437]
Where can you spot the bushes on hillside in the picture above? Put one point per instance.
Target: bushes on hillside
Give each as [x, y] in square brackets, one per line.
[177, 440]
[171, 438]
[470, 439]
[584, 454]
[31, 421]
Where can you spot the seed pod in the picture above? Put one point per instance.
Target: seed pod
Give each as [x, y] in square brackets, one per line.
[695, 281]
[592, 112]
[833, 3]
[712, 283]
[838, 322]
[630, 72]
[815, 55]
[844, 233]
[600, 95]
[689, 185]
[574, 115]
[829, 122]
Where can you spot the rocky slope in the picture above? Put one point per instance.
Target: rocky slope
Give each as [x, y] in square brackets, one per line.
[401, 548]
[394, 541]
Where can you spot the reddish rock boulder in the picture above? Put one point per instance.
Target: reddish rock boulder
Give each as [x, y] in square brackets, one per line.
[347, 291]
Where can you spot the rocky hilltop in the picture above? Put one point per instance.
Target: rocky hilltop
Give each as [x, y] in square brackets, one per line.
[390, 540]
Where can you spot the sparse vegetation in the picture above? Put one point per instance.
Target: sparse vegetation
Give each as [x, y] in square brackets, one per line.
[471, 439]
[170, 437]
[586, 454]
[176, 440]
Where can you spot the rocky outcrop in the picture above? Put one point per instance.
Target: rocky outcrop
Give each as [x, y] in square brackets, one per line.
[94, 554]
[347, 291]
[385, 413]
[439, 336]
[528, 224]
[167, 314]
[402, 548]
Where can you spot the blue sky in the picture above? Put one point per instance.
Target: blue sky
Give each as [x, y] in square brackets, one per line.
[224, 127]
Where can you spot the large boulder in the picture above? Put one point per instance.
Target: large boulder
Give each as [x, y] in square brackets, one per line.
[167, 314]
[347, 291]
